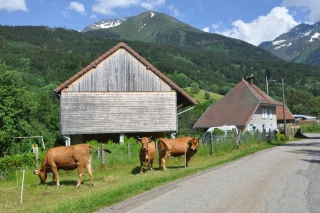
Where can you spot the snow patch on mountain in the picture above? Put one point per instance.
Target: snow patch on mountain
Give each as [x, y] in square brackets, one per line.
[283, 45]
[274, 43]
[314, 37]
[152, 14]
[104, 24]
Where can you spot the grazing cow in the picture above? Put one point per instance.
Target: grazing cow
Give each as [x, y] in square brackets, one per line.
[147, 152]
[177, 147]
[67, 158]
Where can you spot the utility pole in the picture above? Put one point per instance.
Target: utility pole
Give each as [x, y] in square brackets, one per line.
[267, 84]
[284, 111]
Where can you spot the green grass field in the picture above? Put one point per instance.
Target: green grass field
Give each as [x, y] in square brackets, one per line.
[200, 97]
[120, 180]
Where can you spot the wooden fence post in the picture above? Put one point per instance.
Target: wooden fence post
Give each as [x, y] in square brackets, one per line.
[102, 157]
[211, 144]
[129, 150]
[185, 157]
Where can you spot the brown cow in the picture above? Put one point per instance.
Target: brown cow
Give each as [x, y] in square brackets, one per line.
[177, 147]
[67, 158]
[147, 152]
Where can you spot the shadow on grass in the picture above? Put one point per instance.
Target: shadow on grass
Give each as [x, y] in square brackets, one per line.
[136, 170]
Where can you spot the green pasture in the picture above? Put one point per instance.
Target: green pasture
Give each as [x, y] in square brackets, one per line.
[119, 180]
[200, 97]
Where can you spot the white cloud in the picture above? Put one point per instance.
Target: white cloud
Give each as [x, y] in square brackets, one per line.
[93, 16]
[78, 7]
[310, 6]
[216, 26]
[176, 12]
[13, 5]
[151, 4]
[65, 14]
[206, 29]
[264, 28]
[106, 7]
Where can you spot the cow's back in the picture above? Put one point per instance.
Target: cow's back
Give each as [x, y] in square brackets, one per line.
[67, 157]
[176, 146]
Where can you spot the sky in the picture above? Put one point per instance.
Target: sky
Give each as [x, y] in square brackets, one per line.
[253, 21]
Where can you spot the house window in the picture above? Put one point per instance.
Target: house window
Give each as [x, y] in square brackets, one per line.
[270, 111]
[250, 128]
[264, 113]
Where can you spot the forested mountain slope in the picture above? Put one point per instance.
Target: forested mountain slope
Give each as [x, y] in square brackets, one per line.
[55, 54]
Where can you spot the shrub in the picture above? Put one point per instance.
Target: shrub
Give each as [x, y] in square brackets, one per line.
[281, 137]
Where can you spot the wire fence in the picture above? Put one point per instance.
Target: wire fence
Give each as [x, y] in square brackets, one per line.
[125, 153]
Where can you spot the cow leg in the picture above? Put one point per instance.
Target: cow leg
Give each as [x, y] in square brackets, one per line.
[53, 178]
[151, 163]
[141, 166]
[81, 172]
[56, 176]
[161, 154]
[89, 169]
[166, 154]
[188, 160]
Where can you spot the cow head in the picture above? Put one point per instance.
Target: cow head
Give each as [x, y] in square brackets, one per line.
[144, 142]
[194, 143]
[42, 175]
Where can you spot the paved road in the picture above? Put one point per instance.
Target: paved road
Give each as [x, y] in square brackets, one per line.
[281, 179]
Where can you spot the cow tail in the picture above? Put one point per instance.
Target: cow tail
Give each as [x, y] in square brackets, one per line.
[165, 145]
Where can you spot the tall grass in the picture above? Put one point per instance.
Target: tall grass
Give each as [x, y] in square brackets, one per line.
[119, 180]
[310, 128]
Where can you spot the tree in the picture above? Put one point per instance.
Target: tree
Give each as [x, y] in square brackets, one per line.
[195, 88]
[11, 107]
[207, 95]
[180, 79]
[301, 102]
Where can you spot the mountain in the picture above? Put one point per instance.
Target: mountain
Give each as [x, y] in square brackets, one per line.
[104, 23]
[148, 26]
[159, 28]
[301, 44]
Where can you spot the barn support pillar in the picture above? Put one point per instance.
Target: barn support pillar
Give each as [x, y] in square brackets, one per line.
[173, 135]
[121, 139]
[68, 140]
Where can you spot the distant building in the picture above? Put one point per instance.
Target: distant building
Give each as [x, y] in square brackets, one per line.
[245, 106]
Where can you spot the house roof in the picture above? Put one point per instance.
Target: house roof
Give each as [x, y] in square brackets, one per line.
[183, 98]
[236, 107]
[289, 116]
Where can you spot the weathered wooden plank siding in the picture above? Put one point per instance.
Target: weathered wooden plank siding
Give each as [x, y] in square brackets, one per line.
[87, 113]
[120, 72]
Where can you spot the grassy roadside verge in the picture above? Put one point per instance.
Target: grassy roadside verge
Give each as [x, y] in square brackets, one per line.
[112, 185]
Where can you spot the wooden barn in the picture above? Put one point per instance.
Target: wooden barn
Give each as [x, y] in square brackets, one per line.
[119, 94]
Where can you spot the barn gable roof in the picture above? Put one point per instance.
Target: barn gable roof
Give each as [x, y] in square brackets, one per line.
[183, 98]
[236, 107]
